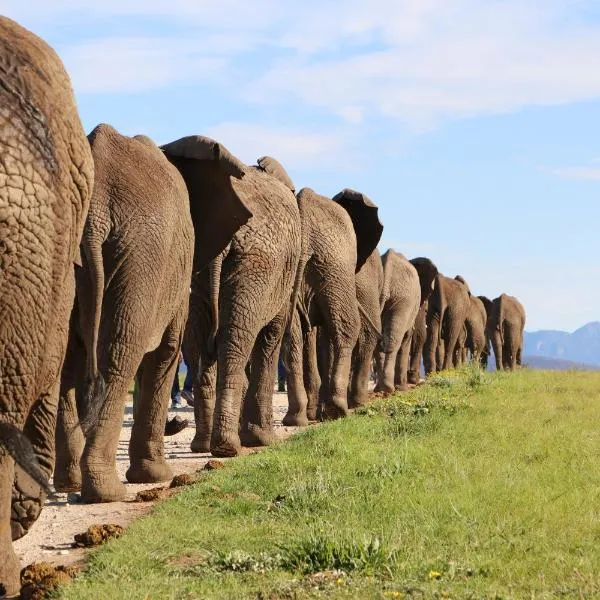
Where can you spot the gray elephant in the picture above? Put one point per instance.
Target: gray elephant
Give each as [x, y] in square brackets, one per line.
[447, 311]
[505, 327]
[240, 305]
[369, 286]
[46, 177]
[132, 297]
[407, 286]
[475, 326]
[485, 353]
[338, 237]
[417, 344]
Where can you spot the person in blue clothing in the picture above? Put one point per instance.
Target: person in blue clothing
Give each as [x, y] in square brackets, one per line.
[177, 394]
[281, 374]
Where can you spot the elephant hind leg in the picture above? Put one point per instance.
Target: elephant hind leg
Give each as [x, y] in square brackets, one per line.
[146, 446]
[402, 360]
[69, 437]
[27, 496]
[9, 565]
[297, 395]
[257, 411]
[362, 362]
[496, 339]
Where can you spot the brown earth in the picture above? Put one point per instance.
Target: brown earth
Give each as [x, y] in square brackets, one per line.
[51, 537]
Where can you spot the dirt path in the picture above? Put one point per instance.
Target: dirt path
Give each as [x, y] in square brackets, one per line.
[51, 536]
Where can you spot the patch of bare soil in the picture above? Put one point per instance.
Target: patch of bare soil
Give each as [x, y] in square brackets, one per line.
[51, 537]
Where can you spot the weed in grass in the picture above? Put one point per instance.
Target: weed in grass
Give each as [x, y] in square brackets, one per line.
[242, 562]
[319, 553]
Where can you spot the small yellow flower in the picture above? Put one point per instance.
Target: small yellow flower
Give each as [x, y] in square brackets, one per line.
[339, 581]
[434, 575]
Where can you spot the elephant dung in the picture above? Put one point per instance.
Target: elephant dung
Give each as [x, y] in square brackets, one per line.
[98, 534]
[38, 580]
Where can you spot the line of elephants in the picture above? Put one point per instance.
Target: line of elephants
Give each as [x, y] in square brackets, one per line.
[115, 253]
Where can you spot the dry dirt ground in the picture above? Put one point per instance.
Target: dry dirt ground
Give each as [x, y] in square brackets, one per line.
[51, 537]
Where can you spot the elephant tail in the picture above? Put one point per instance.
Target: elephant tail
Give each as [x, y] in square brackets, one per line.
[18, 446]
[500, 320]
[369, 321]
[95, 385]
[287, 334]
[214, 270]
[387, 279]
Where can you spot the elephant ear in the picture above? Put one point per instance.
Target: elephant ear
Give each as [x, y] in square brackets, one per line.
[427, 273]
[218, 211]
[273, 167]
[487, 303]
[367, 226]
[461, 279]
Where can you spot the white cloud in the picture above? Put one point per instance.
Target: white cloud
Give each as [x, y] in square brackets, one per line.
[589, 172]
[418, 62]
[300, 147]
[436, 60]
[138, 64]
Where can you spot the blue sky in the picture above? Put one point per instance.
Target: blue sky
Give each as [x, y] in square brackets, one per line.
[473, 124]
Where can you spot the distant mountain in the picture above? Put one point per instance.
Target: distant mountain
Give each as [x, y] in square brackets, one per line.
[581, 346]
[556, 364]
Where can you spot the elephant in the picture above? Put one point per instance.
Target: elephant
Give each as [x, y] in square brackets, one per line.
[407, 285]
[416, 345]
[338, 237]
[505, 327]
[446, 314]
[485, 353]
[240, 304]
[475, 326]
[369, 285]
[46, 179]
[132, 299]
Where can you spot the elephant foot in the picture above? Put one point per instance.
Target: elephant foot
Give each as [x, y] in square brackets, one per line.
[414, 377]
[402, 387]
[313, 412]
[388, 389]
[149, 471]
[200, 443]
[295, 420]
[254, 436]
[68, 480]
[10, 581]
[332, 411]
[225, 445]
[357, 401]
[26, 504]
[102, 486]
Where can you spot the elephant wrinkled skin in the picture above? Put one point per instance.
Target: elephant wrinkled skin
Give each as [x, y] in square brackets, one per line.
[369, 286]
[46, 177]
[407, 287]
[240, 303]
[506, 324]
[132, 297]
[338, 237]
[446, 314]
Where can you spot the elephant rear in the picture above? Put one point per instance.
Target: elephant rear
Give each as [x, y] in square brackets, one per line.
[46, 177]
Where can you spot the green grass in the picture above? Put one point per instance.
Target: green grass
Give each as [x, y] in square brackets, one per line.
[473, 486]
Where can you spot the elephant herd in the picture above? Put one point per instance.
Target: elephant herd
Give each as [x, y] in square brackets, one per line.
[115, 253]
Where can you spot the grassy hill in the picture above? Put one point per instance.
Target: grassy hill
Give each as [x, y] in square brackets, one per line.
[471, 486]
